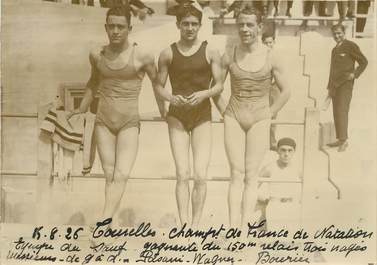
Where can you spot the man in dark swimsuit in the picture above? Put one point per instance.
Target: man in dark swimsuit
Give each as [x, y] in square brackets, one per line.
[191, 66]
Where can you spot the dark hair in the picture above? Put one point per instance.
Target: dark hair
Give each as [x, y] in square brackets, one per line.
[338, 26]
[188, 10]
[287, 141]
[251, 11]
[268, 34]
[121, 11]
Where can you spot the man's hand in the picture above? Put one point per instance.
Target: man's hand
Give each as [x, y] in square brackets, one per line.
[196, 98]
[351, 77]
[178, 100]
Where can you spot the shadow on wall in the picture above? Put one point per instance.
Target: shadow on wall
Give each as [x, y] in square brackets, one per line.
[127, 217]
[168, 221]
[77, 218]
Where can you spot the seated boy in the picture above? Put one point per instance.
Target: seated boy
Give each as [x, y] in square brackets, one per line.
[280, 185]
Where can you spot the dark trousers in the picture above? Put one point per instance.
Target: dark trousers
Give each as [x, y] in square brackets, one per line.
[346, 8]
[362, 8]
[308, 7]
[102, 3]
[341, 100]
[115, 3]
[289, 4]
[88, 2]
[260, 5]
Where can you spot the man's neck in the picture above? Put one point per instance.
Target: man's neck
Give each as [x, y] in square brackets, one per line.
[340, 43]
[188, 43]
[281, 164]
[118, 48]
[250, 48]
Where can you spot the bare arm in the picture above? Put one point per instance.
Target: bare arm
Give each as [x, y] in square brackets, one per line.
[282, 83]
[150, 68]
[162, 76]
[218, 99]
[215, 60]
[91, 87]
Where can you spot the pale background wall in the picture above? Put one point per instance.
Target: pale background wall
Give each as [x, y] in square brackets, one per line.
[46, 44]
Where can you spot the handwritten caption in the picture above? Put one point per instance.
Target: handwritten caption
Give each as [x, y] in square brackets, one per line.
[145, 244]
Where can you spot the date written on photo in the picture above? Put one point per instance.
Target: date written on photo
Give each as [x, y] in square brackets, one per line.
[145, 244]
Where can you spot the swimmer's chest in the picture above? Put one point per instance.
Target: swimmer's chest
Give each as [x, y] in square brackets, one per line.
[123, 66]
[189, 62]
[252, 62]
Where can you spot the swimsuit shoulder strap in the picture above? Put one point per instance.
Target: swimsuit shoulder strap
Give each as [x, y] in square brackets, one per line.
[202, 52]
[102, 50]
[174, 47]
[204, 44]
[232, 54]
[131, 61]
[132, 55]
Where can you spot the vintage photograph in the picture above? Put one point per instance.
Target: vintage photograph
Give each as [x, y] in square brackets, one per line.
[188, 132]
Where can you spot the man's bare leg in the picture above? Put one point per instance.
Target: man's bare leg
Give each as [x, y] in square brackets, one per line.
[180, 144]
[126, 150]
[106, 144]
[201, 142]
[257, 144]
[235, 149]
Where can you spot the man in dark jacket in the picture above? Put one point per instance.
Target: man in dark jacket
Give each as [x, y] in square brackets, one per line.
[341, 80]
